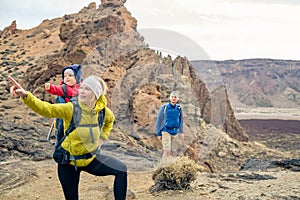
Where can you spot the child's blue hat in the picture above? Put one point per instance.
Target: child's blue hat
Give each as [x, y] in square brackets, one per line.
[77, 69]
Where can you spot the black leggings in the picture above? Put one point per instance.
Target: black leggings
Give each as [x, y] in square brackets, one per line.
[101, 166]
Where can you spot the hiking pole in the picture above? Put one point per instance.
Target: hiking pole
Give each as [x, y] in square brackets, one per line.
[49, 133]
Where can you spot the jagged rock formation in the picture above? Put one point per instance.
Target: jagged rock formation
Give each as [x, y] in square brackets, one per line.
[9, 30]
[106, 42]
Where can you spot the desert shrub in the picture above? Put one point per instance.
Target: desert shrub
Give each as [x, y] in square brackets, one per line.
[176, 176]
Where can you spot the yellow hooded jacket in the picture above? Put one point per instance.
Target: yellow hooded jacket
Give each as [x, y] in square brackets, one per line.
[82, 140]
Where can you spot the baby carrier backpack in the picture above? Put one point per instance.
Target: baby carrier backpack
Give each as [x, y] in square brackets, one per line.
[57, 124]
[62, 156]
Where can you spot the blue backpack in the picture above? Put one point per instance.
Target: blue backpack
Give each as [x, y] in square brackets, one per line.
[172, 116]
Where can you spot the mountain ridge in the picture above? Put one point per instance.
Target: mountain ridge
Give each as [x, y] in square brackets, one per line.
[260, 82]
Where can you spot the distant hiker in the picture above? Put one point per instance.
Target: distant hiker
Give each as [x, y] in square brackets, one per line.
[82, 140]
[68, 89]
[168, 123]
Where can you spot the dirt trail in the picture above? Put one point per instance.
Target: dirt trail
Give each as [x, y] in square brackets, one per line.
[44, 184]
[27, 180]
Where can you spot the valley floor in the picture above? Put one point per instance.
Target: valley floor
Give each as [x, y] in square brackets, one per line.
[267, 113]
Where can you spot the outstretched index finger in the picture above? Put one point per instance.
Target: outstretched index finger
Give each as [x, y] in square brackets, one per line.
[14, 82]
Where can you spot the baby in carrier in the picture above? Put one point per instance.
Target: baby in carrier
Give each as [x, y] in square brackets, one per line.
[66, 91]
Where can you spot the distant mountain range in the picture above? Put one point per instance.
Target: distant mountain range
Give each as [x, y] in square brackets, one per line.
[259, 82]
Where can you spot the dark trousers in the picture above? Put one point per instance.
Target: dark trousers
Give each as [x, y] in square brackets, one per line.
[102, 165]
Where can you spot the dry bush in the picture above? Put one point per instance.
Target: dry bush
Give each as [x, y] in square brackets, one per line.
[175, 176]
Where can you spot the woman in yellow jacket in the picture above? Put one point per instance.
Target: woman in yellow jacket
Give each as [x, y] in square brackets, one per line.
[83, 139]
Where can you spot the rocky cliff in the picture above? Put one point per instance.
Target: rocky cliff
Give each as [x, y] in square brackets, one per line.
[105, 41]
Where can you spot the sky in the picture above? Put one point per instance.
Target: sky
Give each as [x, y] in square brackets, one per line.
[224, 29]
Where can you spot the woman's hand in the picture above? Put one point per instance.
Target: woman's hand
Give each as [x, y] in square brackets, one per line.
[17, 89]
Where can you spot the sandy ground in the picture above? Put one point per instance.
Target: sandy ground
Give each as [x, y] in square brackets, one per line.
[44, 185]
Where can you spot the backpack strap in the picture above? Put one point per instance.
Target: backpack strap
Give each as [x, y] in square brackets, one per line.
[165, 108]
[84, 156]
[179, 108]
[165, 114]
[101, 116]
[64, 88]
[180, 111]
[76, 116]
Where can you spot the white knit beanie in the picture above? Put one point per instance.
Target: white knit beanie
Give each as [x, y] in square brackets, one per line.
[94, 84]
[69, 71]
[175, 94]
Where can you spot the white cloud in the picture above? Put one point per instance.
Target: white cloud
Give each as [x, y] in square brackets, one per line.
[230, 29]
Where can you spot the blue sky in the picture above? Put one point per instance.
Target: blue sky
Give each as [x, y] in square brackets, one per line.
[225, 29]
